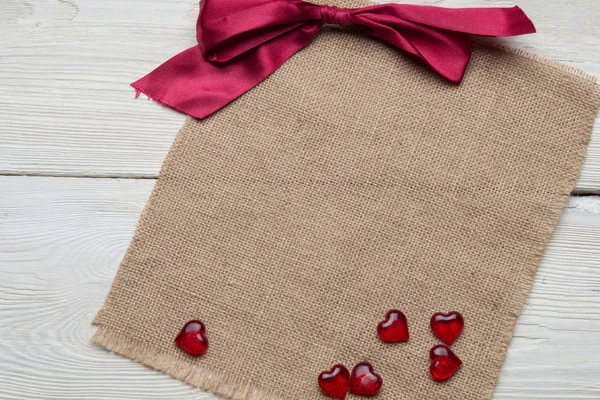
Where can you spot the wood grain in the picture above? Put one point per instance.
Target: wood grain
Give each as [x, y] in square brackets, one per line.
[65, 66]
[62, 239]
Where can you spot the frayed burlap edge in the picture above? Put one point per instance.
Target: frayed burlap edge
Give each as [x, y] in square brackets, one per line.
[184, 370]
[542, 60]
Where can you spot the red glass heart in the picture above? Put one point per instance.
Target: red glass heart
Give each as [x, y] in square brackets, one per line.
[192, 339]
[364, 381]
[447, 326]
[394, 328]
[335, 382]
[444, 363]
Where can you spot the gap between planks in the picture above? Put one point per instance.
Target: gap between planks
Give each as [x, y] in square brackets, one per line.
[574, 192]
[79, 176]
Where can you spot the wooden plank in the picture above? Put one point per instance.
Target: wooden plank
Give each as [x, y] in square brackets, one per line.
[66, 107]
[62, 239]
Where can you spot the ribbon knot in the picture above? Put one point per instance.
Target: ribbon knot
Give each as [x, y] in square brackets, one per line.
[242, 42]
[335, 16]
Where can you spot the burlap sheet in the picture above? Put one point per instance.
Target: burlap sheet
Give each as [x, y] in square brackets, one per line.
[352, 181]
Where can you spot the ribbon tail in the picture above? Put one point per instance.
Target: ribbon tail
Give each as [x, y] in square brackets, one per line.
[440, 37]
[475, 21]
[447, 53]
[191, 85]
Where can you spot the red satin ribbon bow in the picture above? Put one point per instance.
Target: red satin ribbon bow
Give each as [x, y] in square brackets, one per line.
[241, 42]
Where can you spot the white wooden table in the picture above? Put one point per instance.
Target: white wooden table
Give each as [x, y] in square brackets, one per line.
[78, 159]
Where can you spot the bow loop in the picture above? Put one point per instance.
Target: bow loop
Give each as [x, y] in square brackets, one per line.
[242, 42]
[225, 30]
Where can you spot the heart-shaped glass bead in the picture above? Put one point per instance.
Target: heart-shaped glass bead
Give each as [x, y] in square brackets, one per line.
[364, 381]
[447, 326]
[394, 328]
[192, 338]
[335, 382]
[444, 363]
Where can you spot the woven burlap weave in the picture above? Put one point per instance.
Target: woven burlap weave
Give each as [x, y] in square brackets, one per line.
[350, 182]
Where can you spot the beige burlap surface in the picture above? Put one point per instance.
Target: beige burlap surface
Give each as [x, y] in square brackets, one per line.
[350, 182]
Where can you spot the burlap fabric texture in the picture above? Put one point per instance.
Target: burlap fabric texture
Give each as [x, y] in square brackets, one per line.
[352, 181]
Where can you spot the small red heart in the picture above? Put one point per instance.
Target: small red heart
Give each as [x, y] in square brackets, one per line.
[447, 326]
[444, 363]
[335, 382]
[192, 339]
[394, 328]
[364, 381]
